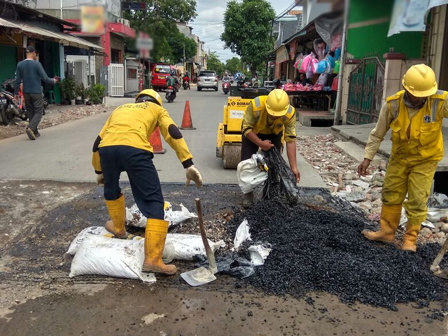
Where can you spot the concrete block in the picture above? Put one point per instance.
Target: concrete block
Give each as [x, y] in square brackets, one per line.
[356, 152]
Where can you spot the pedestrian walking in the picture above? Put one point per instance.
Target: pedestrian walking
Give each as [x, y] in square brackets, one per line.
[123, 145]
[31, 74]
[415, 116]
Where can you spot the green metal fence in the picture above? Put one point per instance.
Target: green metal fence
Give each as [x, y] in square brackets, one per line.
[365, 91]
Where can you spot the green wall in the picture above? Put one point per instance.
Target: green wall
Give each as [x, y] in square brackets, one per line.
[9, 62]
[373, 39]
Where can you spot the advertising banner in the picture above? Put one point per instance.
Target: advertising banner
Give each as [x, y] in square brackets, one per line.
[410, 15]
[92, 19]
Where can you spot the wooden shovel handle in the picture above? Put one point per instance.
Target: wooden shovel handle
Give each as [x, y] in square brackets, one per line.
[208, 250]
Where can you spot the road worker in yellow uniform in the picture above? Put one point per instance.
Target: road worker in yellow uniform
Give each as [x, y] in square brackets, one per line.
[415, 116]
[267, 120]
[123, 145]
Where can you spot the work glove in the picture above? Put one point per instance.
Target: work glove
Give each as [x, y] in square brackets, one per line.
[100, 179]
[194, 174]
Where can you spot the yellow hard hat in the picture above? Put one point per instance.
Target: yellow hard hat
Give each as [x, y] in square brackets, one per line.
[277, 103]
[420, 81]
[150, 93]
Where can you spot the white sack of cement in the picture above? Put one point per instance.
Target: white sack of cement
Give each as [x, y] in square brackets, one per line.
[242, 234]
[250, 175]
[258, 254]
[91, 230]
[179, 246]
[111, 257]
[135, 218]
[438, 200]
[435, 215]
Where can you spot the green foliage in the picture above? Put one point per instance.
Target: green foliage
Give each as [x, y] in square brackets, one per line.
[213, 63]
[80, 91]
[247, 30]
[177, 41]
[68, 87]
[96, 93]
[159, 21]
[234, 65]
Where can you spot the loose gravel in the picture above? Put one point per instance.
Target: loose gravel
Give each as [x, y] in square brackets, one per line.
[320, 250]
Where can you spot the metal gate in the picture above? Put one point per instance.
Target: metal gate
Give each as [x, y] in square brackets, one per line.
[365, 91]
[116, 80]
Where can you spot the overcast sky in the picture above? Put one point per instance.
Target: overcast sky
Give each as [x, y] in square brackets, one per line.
[209, 27]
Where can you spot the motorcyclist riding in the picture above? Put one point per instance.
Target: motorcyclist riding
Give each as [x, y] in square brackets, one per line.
[186, 80]
[172, 80]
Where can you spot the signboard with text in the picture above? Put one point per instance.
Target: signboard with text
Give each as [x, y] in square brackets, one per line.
[134, 5]
[92, 19]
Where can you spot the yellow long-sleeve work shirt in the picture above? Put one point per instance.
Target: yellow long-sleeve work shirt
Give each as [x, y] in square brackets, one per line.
[132, 125]
[382, 127]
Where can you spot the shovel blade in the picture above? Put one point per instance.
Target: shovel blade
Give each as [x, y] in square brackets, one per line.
[199, 276]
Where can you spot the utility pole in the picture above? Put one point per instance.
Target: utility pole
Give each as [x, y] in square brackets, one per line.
[185, 63]
[61, 9]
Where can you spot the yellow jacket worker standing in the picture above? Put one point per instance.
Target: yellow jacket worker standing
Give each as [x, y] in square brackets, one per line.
[266, 120]
[123, 145]
[415, 116]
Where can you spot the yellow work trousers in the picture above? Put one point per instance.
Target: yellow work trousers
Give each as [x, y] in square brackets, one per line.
[415, 181]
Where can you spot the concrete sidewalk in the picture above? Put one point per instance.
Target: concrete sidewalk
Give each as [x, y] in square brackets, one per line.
[359, 134]
[63, 152]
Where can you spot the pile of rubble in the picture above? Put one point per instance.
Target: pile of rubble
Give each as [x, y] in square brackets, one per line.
[55, 115]
[339, 172]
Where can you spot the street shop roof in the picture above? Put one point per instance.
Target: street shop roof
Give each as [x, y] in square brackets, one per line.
[36, 31]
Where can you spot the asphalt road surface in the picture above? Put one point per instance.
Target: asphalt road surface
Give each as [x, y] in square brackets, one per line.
[63, 152]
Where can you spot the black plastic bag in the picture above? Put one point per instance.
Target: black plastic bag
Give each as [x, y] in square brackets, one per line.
[281, 180]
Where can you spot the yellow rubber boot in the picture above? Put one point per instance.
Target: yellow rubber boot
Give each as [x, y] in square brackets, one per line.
[410, 237]
[390, 219]
[117, 213]
[155, 235]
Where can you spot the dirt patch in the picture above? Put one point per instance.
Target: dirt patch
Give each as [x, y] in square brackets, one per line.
[54, 115]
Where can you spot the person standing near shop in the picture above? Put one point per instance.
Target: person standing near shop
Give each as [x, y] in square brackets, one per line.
[415, 116]
[31, 73]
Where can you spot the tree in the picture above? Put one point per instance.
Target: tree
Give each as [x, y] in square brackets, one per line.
[247, 30]
[213, 63]
[234, 65]
[159, 21]
[177, 42]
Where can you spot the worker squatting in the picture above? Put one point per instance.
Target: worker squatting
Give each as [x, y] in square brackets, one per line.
[415, 116]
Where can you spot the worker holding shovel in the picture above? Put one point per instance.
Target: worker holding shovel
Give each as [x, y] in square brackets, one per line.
[123, 145]
[415, 116]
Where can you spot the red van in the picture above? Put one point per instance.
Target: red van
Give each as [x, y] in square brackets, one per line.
[160, 72]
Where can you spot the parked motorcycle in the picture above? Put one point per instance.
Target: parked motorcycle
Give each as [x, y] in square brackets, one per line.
[9, 109]
[225, 87]
[170, 94]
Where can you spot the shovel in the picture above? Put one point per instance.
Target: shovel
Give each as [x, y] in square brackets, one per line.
[435, 268]
[202, 275]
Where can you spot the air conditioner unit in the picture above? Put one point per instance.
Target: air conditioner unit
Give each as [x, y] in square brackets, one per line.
[120, 20]
[126, 23]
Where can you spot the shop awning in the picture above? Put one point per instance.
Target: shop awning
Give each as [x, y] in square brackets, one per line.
[31, 30]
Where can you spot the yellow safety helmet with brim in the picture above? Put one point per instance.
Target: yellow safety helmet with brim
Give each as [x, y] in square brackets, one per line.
[420, 81]
[277, 103]
[149, 95]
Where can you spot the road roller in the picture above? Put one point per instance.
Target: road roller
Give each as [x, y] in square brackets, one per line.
[228, 141]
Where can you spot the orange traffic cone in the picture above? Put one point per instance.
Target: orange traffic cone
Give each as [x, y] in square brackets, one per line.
[187, 123]
[156, 142]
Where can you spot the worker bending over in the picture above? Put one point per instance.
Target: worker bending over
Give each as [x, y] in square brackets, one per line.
[266, 120]
[415, 116]
[123, 145]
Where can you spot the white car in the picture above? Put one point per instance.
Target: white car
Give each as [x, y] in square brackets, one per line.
[208, 79]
